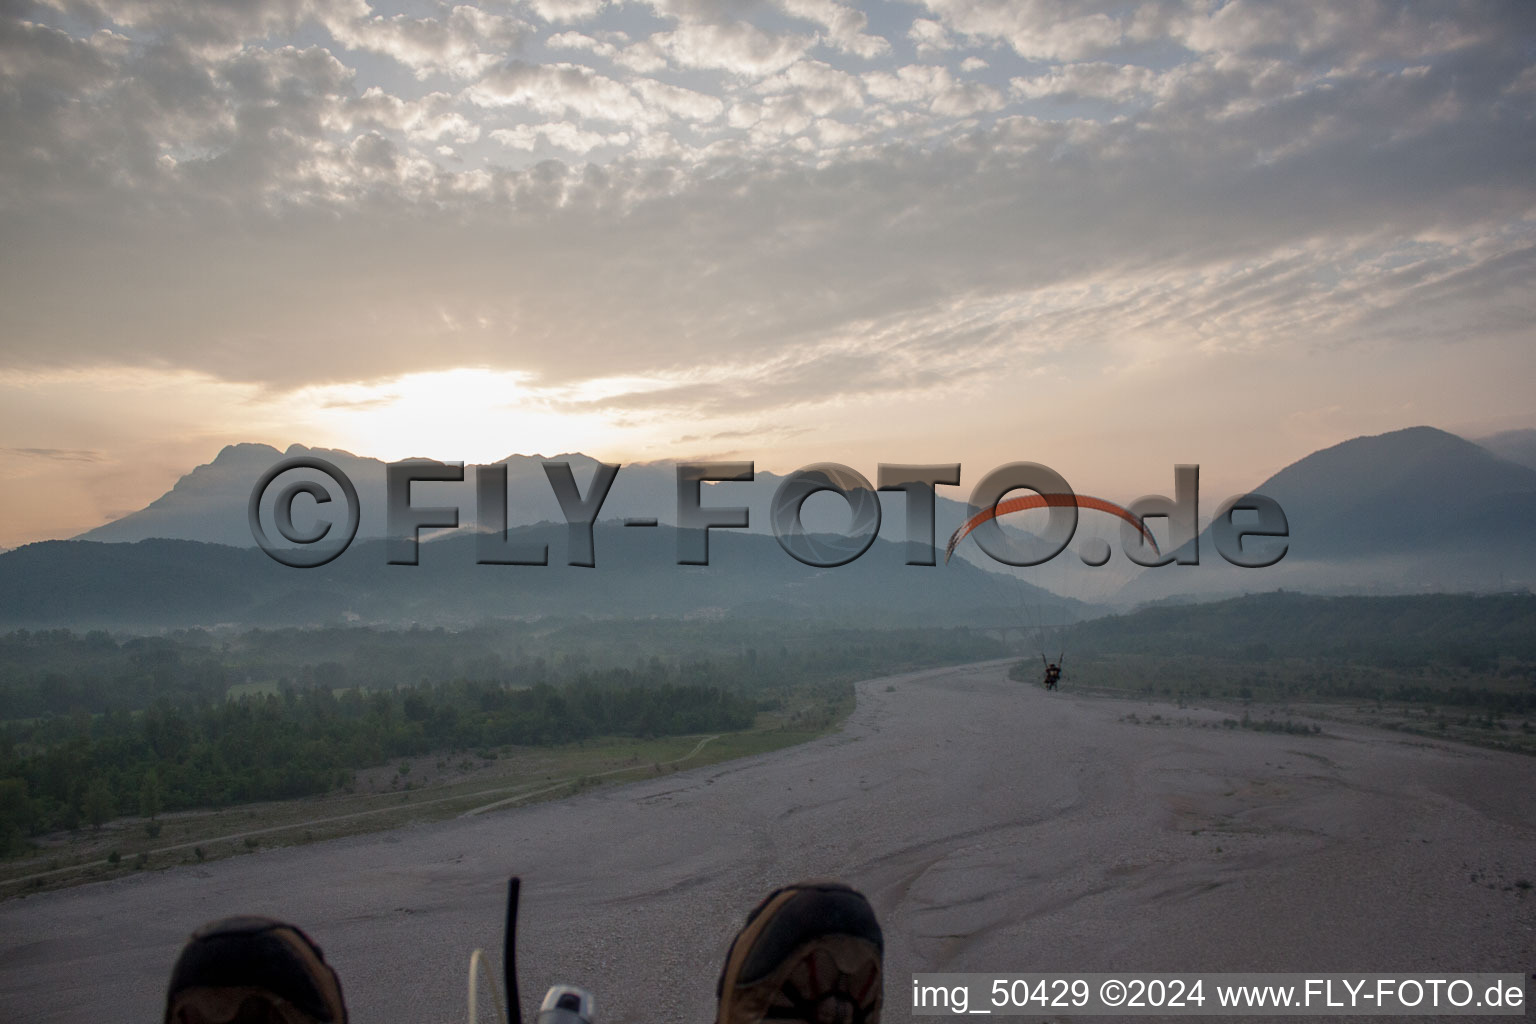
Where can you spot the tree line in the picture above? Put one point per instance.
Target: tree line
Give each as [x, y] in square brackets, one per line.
[93, 726]
[86, 769]
[1478, 633]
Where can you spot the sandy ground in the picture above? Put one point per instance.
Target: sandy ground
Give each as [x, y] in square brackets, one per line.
[995, 827]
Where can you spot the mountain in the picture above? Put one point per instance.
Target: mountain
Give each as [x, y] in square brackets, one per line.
[209, 503]
[155, 584]
[1408, 492]
[1515, 445]
[1411, 510]
[1407, 511]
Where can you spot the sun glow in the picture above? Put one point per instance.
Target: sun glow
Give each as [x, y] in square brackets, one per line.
[466, 414]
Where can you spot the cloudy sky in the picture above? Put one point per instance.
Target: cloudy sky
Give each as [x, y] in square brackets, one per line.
[1108, 237]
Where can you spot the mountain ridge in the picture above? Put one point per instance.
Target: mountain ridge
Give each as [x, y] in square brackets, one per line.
[167, 583]
[1405, 511]
[1400, 511]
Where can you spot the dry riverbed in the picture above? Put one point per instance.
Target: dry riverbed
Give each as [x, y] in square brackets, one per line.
[994, 826]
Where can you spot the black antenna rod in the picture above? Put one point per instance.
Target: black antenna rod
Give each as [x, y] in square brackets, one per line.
[509, 955]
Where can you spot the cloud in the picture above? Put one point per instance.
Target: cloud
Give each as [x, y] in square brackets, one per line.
[58, 454]
[558, 90]
[820, 88]
[558, 134]
[563, 89]
[934, 87]
[754, 208]
[463, 45]
[426, 119]
[578, 41]
[737, 47]
[206, 29]
[1347, 37]
[1035, 29]
[843, 26]
[686, 104]
[929, 36]
[566, 11]
[1090, 80]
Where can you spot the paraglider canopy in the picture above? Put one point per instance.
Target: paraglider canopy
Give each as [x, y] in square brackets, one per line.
[1030, 501]
[1041, 616]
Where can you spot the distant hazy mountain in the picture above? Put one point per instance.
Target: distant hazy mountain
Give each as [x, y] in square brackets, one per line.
[1412, 510]
[1404, 493]
[1408, 511]
[170, 583]
[1514, 445]
[209, 503]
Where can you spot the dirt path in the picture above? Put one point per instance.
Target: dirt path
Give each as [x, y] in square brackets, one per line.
[995, 828]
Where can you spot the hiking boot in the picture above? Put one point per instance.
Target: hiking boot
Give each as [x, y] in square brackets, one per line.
[253, 970]
[809, 952]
